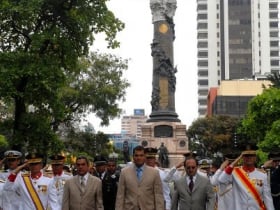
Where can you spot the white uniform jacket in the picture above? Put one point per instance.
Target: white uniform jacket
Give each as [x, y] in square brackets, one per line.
[58, 183]
[42, 185]
[224, 192]
[10, 200]
[165, 188]
[242, 198]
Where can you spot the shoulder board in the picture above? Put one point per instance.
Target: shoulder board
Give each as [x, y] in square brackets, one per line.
[161, 168]
[25, 174]
[49, 175]
[261, 170]
[2, 181]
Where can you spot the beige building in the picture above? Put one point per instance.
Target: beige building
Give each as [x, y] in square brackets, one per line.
[131, 125]
[232, 96]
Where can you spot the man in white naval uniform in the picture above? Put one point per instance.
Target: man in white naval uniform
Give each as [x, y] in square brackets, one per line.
[249, 185]
[59, 176]
[34, 188]
[151, 161]
[10, 200]
[223, 191]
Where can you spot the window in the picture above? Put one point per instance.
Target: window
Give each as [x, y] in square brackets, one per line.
[202, 7]
[202, 73]
[202, 54]
[273, 5]
[203, 63]
[202, 16]
[274, 63]
[274, 43]
[273, 24]
[274, 53]
[203, 82]
[202, 35]
[202, 26]
[274, 34]
[273, 15]
[202, 44]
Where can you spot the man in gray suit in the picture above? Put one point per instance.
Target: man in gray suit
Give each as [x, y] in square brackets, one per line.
[83, 191]
[193, 191]
[139, 186]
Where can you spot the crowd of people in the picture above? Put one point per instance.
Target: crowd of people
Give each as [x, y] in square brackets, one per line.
[140, 185]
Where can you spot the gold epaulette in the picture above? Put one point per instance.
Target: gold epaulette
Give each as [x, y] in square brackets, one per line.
[26, 173]
[48, 174]
[2, 181]
[261, 170]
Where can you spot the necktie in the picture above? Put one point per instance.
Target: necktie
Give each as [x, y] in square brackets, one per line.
[139, 173]
[191, 183]
[83, 186]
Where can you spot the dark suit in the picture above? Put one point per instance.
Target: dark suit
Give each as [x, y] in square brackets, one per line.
[202, 196]
[75, 199]
[109, 190]
[275, 187]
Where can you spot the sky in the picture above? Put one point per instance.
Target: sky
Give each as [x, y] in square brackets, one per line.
[135, 41]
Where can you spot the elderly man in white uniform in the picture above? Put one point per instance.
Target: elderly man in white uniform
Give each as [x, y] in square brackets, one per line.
[10, 200]
[223, 191]
[59, 176]
[34, 188]
[249, 185]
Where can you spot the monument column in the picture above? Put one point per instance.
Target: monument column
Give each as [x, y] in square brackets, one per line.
[163, 129]
[164, 80]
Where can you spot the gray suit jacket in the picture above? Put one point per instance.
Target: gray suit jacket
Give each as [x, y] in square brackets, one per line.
[74, 199]
[202, 196]
[145, 194]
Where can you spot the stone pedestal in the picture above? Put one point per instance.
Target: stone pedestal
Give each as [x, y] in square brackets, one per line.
[172, 134]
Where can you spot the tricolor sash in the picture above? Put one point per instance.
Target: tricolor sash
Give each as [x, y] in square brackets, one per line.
[32, 192]
[250, 186]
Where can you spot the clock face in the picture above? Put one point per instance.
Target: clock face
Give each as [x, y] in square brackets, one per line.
[163, 28]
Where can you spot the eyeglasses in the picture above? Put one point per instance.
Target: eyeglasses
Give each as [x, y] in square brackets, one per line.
[191, 167]
[249, 155]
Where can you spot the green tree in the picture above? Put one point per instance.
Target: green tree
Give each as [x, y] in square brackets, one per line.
[263, 111]
[212, 134]
[275, 79]
[42, 47]
[88, 142]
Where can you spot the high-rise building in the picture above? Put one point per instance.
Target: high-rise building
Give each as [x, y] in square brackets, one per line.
[236, 39]
[131, 124]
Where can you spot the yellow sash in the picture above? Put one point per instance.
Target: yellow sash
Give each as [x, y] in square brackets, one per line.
[32, 192]
[250, 186]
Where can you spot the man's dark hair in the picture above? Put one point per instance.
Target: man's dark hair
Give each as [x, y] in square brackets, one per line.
[83, 158]
[138, 148]
[190, 158]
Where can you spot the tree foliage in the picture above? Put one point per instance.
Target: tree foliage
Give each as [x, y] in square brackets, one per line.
[261, 122]
[275, 79]
[88, 142]
[45, 70]
[213, 134]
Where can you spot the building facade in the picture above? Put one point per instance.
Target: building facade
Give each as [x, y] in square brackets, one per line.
[232, 97]
[131, 124]
[236, 39]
